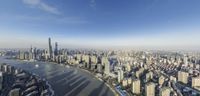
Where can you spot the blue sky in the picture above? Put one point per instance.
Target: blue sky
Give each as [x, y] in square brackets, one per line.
[99, 23]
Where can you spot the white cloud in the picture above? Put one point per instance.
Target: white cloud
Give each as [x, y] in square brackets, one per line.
[48, 8]
[32, 2]
[41, 5]
[93, 4]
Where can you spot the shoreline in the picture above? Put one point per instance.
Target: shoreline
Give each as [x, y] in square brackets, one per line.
[54, 63]
[115, 93]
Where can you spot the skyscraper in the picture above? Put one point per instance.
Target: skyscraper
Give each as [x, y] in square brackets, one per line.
[183, 77]
[150, 89]
[149, 76]
[21, 55]
[136, 86]
[56, 49]
[50, 49]
[195, 81]
[161, 80]
[120, 75]
[164, 91]
[106, 63]
[185, 60]
[1, 80]
[31, 53]
[93, 59]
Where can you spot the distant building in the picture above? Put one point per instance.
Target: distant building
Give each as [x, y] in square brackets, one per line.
[50, 49]
[136, 86]
[79, 57]
[129, 81]
[93, 66]
[93, 59]
[196, 81]
[150, 89]
[161, 80]
[185, 60]
[128, 67]
[1, 80]
[106, 64]
[149, 76]
[165, 91]
[139, 72]
[26, 55]
[5, 68]
[120, 75]
[56, 49]
[183, 77]
[14, 92]
[125, 82]
[10, 69]
[197, 66]
[86, 60]
[99, 68]
[31, 52]
[172, 78]
[21, 55]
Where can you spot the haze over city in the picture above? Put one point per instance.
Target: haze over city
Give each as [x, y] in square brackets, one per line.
[99, 48]
[100, 23]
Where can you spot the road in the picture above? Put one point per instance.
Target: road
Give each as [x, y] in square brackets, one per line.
[181, 86]
[64, 81]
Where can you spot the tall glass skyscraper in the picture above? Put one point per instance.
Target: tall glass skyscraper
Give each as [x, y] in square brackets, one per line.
[50, 49]
[56, 49]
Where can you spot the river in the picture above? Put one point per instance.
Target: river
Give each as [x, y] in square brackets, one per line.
[65, 81]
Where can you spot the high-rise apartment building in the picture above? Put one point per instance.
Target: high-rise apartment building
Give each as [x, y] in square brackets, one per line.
[165, 91]
[161, 80]
[196, 81]
[149, 76]
[185, 60]
[183, 77]
[93, 59]
[106, 64]
[136, 86]
[120, 75]
[150, 89]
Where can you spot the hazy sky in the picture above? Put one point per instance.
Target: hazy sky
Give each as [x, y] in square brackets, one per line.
[99, 23]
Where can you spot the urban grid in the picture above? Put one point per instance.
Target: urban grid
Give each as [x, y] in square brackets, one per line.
[126, 72]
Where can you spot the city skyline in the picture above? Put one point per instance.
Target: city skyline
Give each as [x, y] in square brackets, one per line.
[99, 48]
[100, 24]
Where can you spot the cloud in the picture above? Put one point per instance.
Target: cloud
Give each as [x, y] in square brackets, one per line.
[93, 4]
[41, 5]
[48, 8]
[38, 20]
[32, 2]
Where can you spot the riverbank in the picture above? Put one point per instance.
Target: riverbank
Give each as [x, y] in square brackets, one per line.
[65, 81]
[113, 90]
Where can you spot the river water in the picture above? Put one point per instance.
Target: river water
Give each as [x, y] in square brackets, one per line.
[65, 81]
